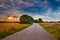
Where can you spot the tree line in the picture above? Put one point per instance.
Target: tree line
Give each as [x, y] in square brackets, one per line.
[26, 19]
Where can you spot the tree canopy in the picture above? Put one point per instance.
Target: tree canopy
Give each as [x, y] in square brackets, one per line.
[26, 19]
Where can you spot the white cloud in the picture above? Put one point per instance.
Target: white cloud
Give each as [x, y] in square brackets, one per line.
[44, 18]
[44, 3]
[57, 15]
[58, 0]
[49, 10]
[2, 4]
[49, 16]
[25, 3]
[58, 9]
[7, 0]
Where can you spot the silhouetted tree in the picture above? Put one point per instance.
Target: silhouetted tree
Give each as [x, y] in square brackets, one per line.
[40, 20]
[36, 21]
[26, 19]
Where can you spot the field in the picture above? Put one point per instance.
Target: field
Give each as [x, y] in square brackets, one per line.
[52, 28]
[10, 28]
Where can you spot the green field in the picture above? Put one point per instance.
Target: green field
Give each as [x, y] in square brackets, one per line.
[52, 28]
[10, 28]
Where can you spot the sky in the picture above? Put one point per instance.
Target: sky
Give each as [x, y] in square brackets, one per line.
[48, 10]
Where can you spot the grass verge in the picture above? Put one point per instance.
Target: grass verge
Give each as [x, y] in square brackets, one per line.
[10, 28]
[53, 30]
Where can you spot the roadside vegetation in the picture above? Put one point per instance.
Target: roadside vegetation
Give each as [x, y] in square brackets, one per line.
[10, 28]
[52, 28]
[7, 28]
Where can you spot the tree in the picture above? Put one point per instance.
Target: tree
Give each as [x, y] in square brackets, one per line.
[26, 19]
[39, 20]
[36, 21]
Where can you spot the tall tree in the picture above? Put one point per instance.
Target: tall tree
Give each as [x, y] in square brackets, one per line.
[26, 19]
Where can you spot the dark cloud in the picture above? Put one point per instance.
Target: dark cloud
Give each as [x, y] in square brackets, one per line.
[41, 7]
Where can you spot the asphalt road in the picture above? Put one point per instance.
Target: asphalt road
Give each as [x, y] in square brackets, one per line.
[34, 32]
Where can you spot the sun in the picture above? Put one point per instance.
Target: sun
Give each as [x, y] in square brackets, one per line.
[10, 18]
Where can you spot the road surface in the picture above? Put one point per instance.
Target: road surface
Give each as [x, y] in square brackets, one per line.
[34, 32]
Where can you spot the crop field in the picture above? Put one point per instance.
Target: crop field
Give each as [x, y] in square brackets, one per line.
[10, 28]
[52, 28]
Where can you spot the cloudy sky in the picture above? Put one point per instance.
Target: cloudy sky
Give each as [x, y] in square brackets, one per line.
[48, 10]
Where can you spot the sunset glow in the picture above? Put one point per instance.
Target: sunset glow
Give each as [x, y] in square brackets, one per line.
[10, 18]
[13, 19]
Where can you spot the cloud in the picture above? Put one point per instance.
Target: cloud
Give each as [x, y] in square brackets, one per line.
[10, 13]
[42, 16]
[58, 0]
[49, 10]
[48, 18]
[44, 8]
[25, 3]
[2, 4]
[7, 0]
[49, 15]
[58, 8]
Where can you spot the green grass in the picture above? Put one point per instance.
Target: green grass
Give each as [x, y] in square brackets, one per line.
[53, 30]
[10, 28]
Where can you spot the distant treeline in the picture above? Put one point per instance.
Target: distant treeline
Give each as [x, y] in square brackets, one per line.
[8, 22]
[26, 19]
